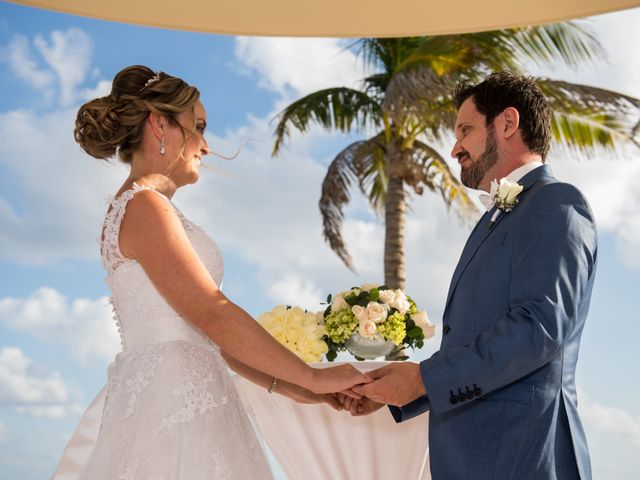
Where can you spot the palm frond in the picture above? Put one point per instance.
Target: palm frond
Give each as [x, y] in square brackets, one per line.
[586, 131]
[569, 42]
[386, 53]
[352, 165]
[339, 108]
[375, 85]
[372, 174]
[436, 66]
[563, 93]
[438, 63]
[587, 117]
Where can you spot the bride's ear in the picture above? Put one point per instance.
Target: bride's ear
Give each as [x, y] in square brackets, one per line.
[158, 124]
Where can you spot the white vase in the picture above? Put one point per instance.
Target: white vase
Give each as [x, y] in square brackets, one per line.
[368, 348]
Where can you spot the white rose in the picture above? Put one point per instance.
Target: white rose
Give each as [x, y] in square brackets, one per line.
[339, 303]
[367, 329]
[360, 313]
[422, 320]
[377, 312]
[509, 190]
[387, 296]
[401, 303]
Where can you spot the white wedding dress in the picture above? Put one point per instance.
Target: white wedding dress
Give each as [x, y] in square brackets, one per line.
[169, 410]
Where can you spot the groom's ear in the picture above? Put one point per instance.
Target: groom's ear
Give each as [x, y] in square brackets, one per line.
[510, 122]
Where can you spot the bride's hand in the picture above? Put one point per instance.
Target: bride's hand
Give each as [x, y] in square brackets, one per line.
[337, 379]
[302, 395]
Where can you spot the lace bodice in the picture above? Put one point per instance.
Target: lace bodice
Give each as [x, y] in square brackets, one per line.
[141, 313]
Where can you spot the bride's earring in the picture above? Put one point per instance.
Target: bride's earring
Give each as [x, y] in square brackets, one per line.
[162, 149]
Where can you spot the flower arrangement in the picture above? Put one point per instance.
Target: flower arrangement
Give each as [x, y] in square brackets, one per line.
[300, 331]
[371, 321]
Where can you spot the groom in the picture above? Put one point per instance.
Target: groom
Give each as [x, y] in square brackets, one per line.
[501, 390]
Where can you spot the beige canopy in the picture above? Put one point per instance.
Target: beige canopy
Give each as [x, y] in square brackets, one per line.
[334, 18]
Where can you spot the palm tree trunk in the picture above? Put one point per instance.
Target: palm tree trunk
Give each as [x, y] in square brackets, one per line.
[395, 216]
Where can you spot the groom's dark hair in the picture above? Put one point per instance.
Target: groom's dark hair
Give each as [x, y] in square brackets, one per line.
[505, 89]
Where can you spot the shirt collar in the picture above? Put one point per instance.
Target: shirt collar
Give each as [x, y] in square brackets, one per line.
[522, 170]
[515, 175]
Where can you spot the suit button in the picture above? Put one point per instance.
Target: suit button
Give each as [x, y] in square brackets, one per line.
[452, 399]
[446, 329]
[468, 393]
[461, 396]
[476, 391]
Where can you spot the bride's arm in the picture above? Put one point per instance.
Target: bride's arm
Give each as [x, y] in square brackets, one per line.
[152, 234]
[289, 390]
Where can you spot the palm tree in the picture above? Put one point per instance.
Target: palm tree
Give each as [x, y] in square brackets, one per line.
[407, 104]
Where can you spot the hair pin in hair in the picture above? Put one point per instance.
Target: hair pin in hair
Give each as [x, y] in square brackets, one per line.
[152, 80]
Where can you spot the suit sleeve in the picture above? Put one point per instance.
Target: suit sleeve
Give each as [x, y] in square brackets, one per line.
[553, 262]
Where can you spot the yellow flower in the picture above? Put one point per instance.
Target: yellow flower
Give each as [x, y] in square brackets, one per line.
[299, 331]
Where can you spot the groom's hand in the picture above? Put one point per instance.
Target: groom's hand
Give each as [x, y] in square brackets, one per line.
[396, 384]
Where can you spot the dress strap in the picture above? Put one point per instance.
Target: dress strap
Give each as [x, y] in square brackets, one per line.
[110, 252]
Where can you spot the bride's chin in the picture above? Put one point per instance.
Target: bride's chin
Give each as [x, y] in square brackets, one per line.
[194, 176]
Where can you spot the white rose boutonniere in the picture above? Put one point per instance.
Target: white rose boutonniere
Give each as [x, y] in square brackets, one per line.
[505, 196]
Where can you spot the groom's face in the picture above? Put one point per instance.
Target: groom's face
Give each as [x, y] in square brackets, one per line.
[476, 147]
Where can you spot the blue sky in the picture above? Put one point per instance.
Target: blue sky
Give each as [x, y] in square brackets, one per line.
[56, 332]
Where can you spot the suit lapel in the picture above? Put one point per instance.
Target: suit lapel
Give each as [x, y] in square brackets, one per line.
[483, 230]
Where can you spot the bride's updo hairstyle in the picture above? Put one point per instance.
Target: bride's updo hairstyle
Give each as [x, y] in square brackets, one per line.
[115, 123]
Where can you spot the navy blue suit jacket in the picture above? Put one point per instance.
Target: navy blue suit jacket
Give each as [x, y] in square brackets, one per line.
[501, 389]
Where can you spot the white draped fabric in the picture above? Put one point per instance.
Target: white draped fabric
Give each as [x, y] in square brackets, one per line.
[315, 442]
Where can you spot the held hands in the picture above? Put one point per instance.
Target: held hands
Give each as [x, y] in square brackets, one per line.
[357, 407]
[361, 394]
[395, 384]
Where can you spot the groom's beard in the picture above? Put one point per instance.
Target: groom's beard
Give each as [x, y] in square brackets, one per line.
[472, 175]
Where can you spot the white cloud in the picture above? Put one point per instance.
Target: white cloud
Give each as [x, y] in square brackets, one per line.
[63, 191]
[85, 326]
[62, 61]
[610, 187]
[4, 432]
[22, 62]
[28, 389]
[613, 435]
[299, 66]
[610, 420]
[296, 290]
[102, 89]
[68, 54]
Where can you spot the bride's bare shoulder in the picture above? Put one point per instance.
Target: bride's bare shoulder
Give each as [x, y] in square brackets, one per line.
[149, 219]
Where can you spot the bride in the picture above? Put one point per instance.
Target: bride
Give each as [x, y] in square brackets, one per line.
[169, 409]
